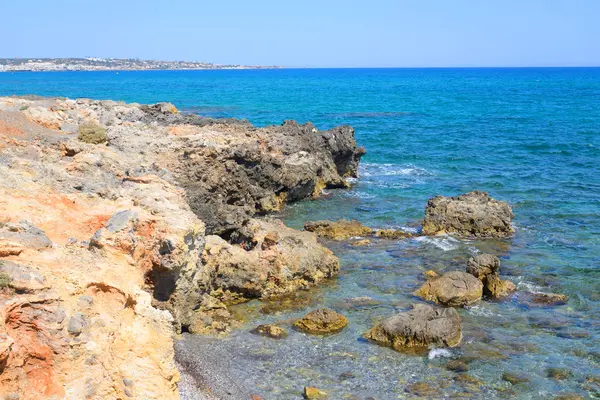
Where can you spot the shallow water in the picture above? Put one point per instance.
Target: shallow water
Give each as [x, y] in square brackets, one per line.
[528, 136]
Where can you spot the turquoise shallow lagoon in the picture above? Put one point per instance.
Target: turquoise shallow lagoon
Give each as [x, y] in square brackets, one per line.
[530, 137]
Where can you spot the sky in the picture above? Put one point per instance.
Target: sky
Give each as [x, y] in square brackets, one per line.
[310, 33]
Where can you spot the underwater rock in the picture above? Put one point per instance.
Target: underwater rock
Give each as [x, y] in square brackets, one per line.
[270, 330]
[322, 321]
[549, 299]
[361, 243]
[338, 230]
[422, 389]
[558, 374]
[513, 378]
[422, 326]
[453, 289]
[474, 214]
[457, 365]
[312, 393]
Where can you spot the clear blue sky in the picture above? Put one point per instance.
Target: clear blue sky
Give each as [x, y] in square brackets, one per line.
[310, 33]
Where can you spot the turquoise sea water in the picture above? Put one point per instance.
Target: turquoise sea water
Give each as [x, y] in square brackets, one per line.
[530, 137]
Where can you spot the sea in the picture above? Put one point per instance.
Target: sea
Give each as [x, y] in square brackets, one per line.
[528, 136]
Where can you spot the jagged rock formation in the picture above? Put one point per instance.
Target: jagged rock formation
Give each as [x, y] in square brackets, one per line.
[103, 245]
[474, 214]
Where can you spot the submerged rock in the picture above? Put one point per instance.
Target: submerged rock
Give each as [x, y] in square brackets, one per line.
[474, 214]
[422, 326]
[322, 321]
[312, 393]
[270, 330]
[338, 230]
[558, 373]
[453, 289]
[513, 378]
[549, 299]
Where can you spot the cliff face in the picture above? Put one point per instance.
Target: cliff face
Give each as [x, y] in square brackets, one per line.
[103, 246]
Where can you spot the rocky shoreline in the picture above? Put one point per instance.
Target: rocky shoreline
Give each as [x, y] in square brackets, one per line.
[123, 225]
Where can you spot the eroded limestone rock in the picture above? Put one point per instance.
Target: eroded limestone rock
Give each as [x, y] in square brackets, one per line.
[322, 321]
[474, 214]
[422, 326]
[453, 289]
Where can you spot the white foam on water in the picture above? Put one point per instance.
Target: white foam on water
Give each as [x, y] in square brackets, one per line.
[529, 287]
[481, 311]
[439, 353]
[360, 195]
[445, 243]
[372, 169]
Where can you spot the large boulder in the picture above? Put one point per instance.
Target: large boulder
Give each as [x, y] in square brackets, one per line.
[338, 230]
[322, 321]
[453, 289]
[267, 259]
[474, 214]
[422, 326]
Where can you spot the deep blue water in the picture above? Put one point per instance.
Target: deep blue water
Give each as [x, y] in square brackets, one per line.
[530, 137]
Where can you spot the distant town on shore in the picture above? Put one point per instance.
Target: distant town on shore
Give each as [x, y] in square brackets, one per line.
[109, 64]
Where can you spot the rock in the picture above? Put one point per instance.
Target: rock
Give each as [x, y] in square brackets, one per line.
[339, 230]
[422, 389]
[457, 365]
[92, 134]
[430, 274]
[21, 278]
[485, 268]
[16, 237]
[8, 248]
[212, 317]
[483, 265]
[422, 326]
[453, 289]
[246, 271]
[314, 393]
[549, 299]
[497, 288]
[558, 373]
[272, 331]
[474, 214]
[125, 219]
[361, 302]
[322, 321]
[514, 378]
[392, 234]
[76, 324]
[6, 343]
[361, 243]
[569, 396]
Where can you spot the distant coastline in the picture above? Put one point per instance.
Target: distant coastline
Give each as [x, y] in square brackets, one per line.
[110, 64]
